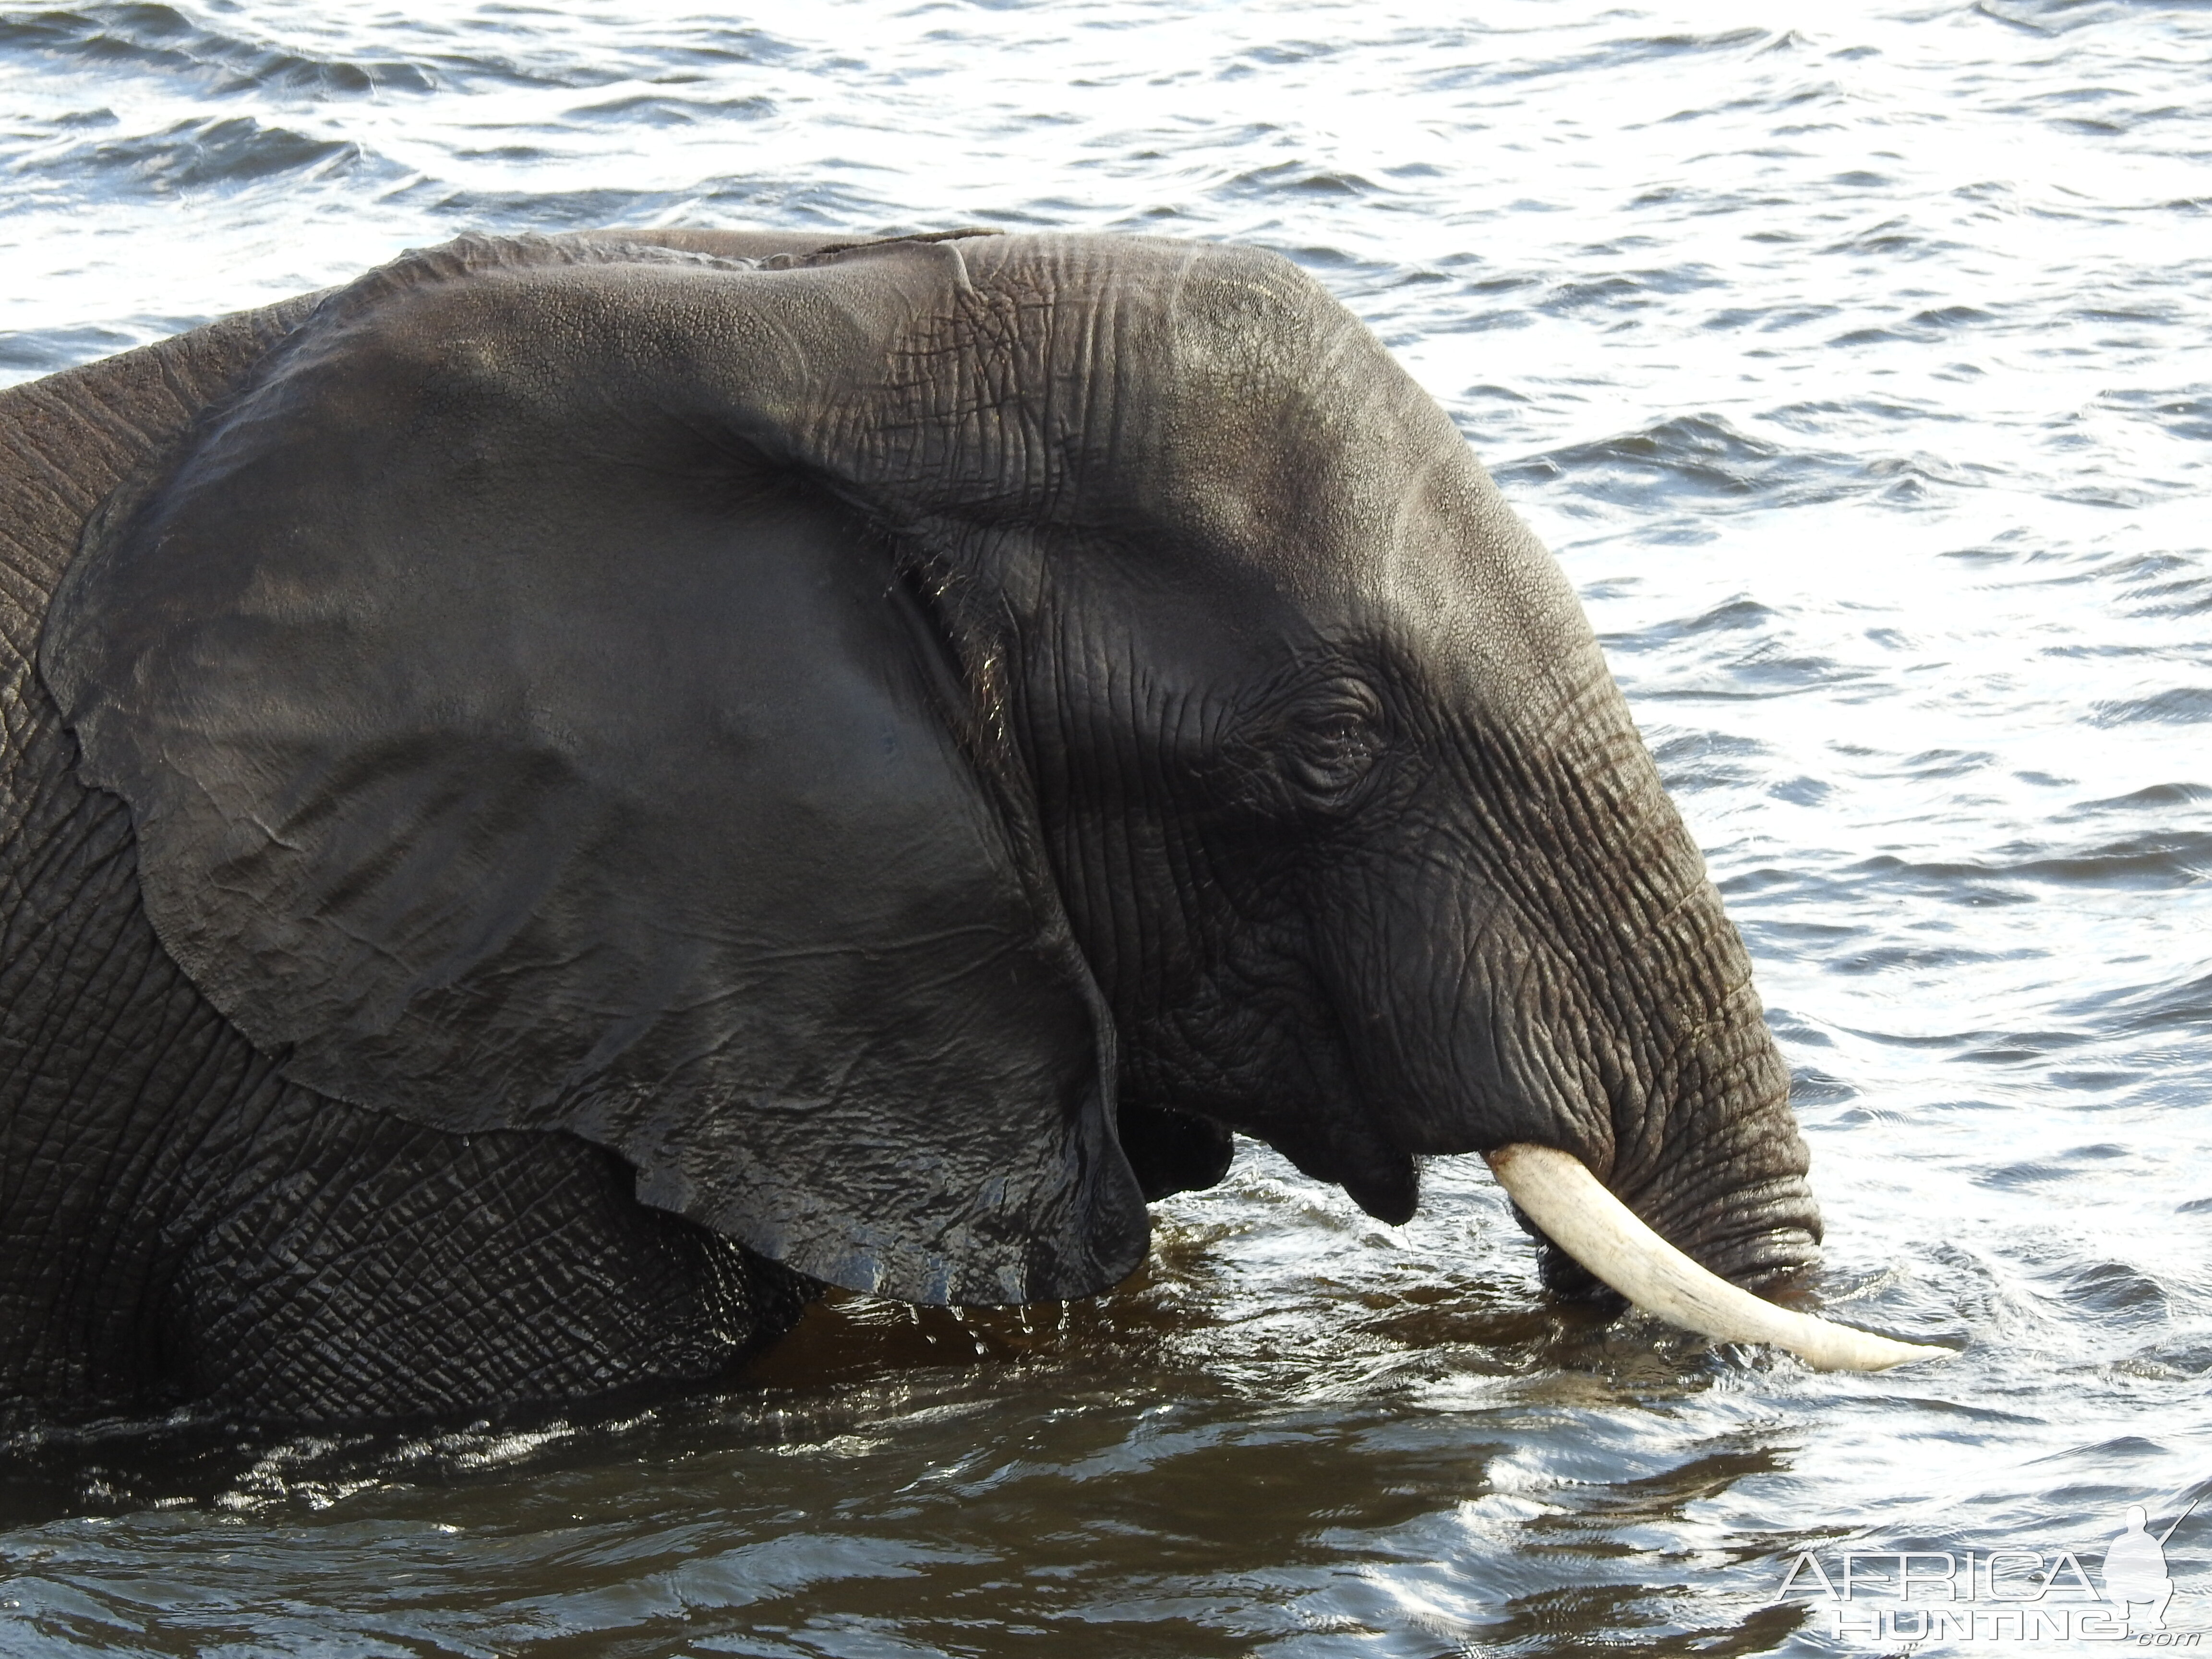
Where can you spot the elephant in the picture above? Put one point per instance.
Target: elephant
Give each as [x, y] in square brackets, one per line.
[561, 797]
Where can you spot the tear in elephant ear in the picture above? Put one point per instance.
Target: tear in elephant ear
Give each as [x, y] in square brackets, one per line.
[498, 775]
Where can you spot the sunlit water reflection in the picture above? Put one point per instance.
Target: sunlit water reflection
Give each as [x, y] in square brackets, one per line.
[1857, 370]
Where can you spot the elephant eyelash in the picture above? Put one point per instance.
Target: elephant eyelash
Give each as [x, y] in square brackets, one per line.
[1330, 750]
[1332, 762]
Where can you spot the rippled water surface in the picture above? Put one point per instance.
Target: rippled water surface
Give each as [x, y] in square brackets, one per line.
[1859, 369]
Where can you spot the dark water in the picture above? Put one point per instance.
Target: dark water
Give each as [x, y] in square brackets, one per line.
[1859, 368]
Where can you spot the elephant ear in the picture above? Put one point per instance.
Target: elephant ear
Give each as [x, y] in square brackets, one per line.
[515, 748]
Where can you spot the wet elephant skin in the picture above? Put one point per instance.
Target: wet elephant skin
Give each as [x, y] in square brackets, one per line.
[565, 794]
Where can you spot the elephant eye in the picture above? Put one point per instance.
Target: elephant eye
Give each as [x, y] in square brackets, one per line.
[1330, 749]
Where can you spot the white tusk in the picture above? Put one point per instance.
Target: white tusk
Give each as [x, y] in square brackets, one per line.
[1561, 1195]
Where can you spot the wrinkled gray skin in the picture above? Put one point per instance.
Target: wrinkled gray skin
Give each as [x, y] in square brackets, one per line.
[1206, 749]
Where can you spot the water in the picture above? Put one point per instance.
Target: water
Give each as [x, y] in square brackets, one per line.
[1859, 370]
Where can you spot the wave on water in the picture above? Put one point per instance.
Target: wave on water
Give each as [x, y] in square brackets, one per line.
[208, 154]
[162, 40]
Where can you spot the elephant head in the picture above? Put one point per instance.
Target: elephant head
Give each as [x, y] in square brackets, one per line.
[911, 744]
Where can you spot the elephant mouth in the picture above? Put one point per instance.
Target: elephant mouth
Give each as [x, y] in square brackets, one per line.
[1557, 1191]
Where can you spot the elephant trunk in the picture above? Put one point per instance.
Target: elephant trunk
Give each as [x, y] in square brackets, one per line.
[1565, 977]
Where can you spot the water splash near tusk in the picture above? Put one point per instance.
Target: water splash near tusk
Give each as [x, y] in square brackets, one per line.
[1559, 1194]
